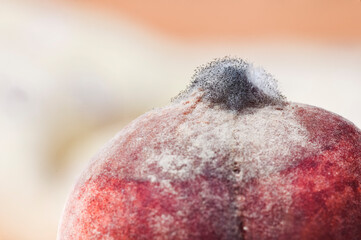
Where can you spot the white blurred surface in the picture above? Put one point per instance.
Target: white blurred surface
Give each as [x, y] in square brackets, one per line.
[69, 80]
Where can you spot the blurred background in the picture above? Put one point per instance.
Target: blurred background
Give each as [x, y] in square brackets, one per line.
[73, 73]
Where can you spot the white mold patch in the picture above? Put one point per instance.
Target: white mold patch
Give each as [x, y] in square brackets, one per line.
[228, 144]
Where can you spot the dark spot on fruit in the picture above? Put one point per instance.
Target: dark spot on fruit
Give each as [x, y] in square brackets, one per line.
[241, 229]
[328, 148]
[236, 168]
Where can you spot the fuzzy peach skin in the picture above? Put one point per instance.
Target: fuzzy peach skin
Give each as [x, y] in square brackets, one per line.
[229, 158]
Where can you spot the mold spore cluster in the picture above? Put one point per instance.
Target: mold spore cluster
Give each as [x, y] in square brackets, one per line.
[234, 84]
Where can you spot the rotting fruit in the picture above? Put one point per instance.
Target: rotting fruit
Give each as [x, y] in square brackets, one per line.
[229, 158]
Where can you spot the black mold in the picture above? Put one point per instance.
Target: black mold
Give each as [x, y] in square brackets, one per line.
[225, 83]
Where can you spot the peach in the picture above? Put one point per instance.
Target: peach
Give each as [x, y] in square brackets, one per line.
[229, 158]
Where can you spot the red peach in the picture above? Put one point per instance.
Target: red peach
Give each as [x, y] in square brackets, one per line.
[230, 158]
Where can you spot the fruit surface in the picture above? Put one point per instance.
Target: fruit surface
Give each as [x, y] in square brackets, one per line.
[229, 158]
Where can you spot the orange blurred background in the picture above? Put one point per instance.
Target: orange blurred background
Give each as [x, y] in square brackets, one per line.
[204, 20]
[73, 73]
